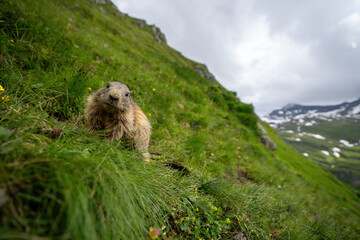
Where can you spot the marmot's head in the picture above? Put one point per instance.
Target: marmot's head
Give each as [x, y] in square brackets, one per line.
[115, 97]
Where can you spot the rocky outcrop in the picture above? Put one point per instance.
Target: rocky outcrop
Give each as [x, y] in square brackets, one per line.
[265, 139]
[103, 10]
[159, 36]
[203, 71]
[102, 1]
[141, 23]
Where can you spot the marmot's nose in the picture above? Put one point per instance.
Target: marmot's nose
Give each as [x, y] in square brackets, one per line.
[113, 98]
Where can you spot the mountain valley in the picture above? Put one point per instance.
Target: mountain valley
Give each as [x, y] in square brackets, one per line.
[328, 135]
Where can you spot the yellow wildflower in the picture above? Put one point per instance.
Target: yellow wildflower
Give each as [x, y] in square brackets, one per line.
[270, 234]
[193, 219]
[227, 220]
[1, 88]
[5, 98]
[11, 40]
[212, 154]
[89, 88]
[187, 218]
[149, 114]
[197, 209]
[154, 233]
[154, 89]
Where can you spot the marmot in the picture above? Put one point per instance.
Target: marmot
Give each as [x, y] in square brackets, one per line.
[112, 109]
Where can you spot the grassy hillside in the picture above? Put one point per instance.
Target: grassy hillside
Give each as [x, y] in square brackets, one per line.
[58, 180]
[345, 161]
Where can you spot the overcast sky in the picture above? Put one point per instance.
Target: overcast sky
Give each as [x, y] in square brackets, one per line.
[270, 52]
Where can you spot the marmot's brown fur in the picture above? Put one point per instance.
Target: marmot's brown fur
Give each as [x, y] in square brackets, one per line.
[112, 109]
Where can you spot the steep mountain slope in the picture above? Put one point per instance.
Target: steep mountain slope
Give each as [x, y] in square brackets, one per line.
[328, 135]
[58, 180]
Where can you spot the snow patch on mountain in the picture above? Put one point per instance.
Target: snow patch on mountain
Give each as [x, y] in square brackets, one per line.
[309, 124]
[335, 149]
[325, 152]
[318, 136]
[302, 113]
[346, 143]
[355, 110]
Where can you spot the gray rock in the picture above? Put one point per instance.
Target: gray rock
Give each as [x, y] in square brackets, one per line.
[103, 10]
[159, 36]
[203, 71]
[261, 129]
[265, 139]
[268, 142]
[122, 15]
[141, 23]
[240, 236]
[102, 1]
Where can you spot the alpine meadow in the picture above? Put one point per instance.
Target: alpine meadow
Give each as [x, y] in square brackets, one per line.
[59, 180]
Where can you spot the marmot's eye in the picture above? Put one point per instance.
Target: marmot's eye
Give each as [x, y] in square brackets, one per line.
[127, 94]
[108, 85]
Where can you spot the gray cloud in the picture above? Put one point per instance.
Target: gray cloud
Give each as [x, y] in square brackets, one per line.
[269, 52]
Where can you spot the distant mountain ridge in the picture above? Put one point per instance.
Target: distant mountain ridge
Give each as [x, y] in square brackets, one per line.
[297, 111]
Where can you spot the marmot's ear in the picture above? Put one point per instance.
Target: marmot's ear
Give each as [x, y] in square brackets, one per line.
[128, 94]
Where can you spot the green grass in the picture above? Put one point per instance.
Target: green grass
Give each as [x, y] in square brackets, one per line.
[348, 129]
[61, 181]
